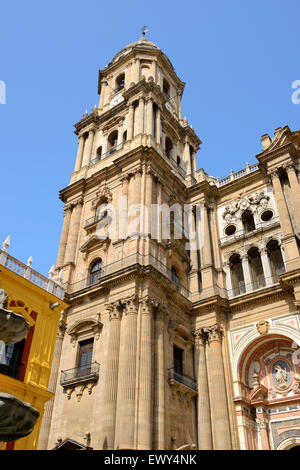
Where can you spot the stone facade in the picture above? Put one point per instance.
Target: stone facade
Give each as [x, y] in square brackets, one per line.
[184, 346]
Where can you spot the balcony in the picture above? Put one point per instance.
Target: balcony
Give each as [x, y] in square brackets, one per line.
[116, 90]
[106, 154]
[178, 167]
[79, 375]
[261, 283]
[182, 381]
[130, 261]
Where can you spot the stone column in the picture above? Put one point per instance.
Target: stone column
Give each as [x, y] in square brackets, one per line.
[64, 236]
[247, 273]
[203, 405]
[263, 429]
[226, 267]
[159, 383]
[149, 116]
[139, 118]
[125, 415]
[158, 126]
[266, 266]
[88, 148]
[46, 422]
[207, 257]
[123, 208]
[159, 204]
[187, 158]
[217, 389]
[81, 142]
[148, 203]
[130, 122]
[111, 376]
[102, 96]
[284, 217]
[294, 184]
[145, 398]
[73, 232]
[136, 71]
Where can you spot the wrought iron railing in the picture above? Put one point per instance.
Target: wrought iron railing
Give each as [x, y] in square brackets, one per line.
[106, 154]
[119, 88]
[178, 167]
[183, 379]
[80, 374]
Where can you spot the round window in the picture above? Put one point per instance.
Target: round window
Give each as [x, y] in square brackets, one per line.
[266, 215]
[230, 230]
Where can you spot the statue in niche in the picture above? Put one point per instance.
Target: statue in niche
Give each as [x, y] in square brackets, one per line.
[281, 374]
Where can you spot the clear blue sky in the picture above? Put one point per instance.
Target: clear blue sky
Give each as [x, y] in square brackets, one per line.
[238, 60]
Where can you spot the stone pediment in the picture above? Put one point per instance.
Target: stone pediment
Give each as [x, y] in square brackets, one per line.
[258, 395]
[71, 444]
[94, 242]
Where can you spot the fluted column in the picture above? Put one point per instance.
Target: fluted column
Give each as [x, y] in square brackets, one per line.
[123, 208]
[64, 236]
[149, 116]
[284, 217]
[145, 397]
[46, 422]
[217, 389]
[187, 158]
[80, 150]
[139, 118]
[247, 273]
[263, 429]
[203, 408]
[294, 184]
[158, 126]
[159, 391]
[130, 122]
[125, 417]
[88, 148]
[265, 261]
[73, 232]
[111, 376]
[207, 256]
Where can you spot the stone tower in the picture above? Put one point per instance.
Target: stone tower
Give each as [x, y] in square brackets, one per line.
[151, 350]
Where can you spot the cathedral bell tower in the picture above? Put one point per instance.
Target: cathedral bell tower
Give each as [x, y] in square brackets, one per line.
[128, 292]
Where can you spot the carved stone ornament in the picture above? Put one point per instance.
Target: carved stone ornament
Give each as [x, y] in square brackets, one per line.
[263, 327]
[103, 194]
[259, 198]
[214, 333]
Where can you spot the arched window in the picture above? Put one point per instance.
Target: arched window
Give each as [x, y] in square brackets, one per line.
[112, 141]
[169, 146]
[248, 221]
[275, 257]
[124, 136]
[166, 88]
[120, 82]
[95, 272]
[256, 268]
[237, 275]
[175, 277]
[178, 161]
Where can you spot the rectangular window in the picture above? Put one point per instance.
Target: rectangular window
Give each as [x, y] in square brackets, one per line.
[178, 360]
[85, 356]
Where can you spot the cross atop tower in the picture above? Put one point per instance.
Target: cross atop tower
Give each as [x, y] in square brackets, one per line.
[144, 30]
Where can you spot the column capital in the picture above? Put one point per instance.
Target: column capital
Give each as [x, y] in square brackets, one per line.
[115, 310]
[200, 337]
[131, 305]
[78, 202]
[274, 173]
[245, 258]
[214, 333]
[289, 166]
[262, 423]
[148, 304]
[68, 207]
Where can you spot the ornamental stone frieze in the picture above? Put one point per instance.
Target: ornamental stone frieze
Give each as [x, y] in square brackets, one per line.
[234, 210]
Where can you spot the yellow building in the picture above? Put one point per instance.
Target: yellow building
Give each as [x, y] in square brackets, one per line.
[28, 363]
